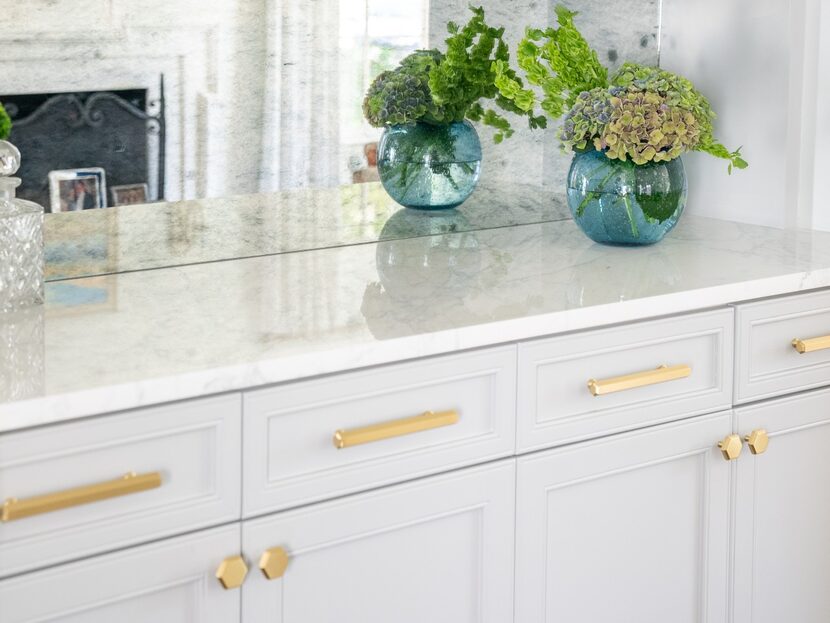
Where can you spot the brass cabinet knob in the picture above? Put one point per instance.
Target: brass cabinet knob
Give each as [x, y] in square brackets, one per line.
[731, 447]
[231, 572]
[273, 562]
[758, 441]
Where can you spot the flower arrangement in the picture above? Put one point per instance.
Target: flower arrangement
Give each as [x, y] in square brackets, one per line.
[635, 117]
[439, 88]
[643, 113]
[429, 156]
[5, 124]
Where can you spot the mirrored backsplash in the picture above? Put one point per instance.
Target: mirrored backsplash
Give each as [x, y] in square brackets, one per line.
[141, 237]
[119, 102]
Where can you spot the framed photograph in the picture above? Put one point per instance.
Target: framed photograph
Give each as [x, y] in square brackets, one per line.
[73, 190]
[129, 194]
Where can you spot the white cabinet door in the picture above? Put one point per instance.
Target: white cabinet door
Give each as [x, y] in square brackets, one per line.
[782, 559]
[629, 529]
[171, 581]
[438, 550]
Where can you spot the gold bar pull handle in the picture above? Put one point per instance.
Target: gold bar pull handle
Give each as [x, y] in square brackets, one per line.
[129, 483]
[395, 428]
[811, 345]
[639, 379]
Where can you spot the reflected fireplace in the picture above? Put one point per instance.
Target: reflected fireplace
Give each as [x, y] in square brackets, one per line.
[119, 131]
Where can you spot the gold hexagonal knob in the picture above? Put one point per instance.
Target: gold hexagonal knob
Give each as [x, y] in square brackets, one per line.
[273, 562]
[731, 447]
[758, 441]
[231, 572]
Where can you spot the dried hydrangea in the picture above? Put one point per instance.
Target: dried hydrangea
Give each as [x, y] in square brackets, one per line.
[677, 91]
[645, 128]
[586, 119]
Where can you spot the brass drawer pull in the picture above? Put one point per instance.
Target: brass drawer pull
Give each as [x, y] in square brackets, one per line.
[129, 483]
[396, 428]
[639, 379]
[811, 345]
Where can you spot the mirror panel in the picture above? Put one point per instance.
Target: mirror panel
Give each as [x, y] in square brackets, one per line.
[195, 100]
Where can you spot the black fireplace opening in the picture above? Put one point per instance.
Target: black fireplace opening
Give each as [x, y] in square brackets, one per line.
[119, 131]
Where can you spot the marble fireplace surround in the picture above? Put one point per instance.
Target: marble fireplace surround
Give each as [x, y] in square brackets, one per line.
[43, 52]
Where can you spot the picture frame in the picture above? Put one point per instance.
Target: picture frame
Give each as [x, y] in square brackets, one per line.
[129, 194]
[72, 190]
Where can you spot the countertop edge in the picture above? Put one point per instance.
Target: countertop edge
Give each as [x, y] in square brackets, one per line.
[154, 391]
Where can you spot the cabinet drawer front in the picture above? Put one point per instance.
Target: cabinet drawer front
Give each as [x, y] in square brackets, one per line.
[768, 363]
[172, 581]
[68, 481]
[558, 378]
[289, 439]
[439, 549]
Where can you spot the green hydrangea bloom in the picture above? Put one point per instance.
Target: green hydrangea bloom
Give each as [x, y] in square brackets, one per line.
[586, 119]
[645, 128]
[403, 95]
[441, 88]
[5, 124]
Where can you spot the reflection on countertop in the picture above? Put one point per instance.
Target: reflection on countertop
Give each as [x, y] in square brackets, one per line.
[126, 340]
[139, 237]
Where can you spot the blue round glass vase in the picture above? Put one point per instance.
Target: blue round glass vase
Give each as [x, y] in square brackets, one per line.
[430, 167]
[622, 203]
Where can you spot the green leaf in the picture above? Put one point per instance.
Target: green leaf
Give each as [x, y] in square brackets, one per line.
[659, 206]
[558, 60]
[5, 124]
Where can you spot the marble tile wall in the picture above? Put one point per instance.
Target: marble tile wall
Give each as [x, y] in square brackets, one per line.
[821, 188]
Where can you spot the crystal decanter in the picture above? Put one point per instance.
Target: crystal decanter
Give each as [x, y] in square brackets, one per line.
[21, 239]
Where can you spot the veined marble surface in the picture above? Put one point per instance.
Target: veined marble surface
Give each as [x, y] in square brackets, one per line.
[116, 342]
[160, 235]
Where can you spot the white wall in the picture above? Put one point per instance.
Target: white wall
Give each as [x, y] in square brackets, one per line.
[821, 192]
[756, 60]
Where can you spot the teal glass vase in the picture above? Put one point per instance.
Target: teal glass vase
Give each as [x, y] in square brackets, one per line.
[621, 203]
[429, 167]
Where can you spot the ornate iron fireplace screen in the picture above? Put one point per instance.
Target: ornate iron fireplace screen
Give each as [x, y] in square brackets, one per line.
[74, 131]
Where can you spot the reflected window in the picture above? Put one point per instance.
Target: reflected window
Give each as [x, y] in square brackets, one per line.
[374, 36]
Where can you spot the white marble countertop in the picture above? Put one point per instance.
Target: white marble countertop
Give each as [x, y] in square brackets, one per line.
[115, 342]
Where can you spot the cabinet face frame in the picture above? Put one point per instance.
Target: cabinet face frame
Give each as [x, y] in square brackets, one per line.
[597, 464]
[436, 509]
[780, 496]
